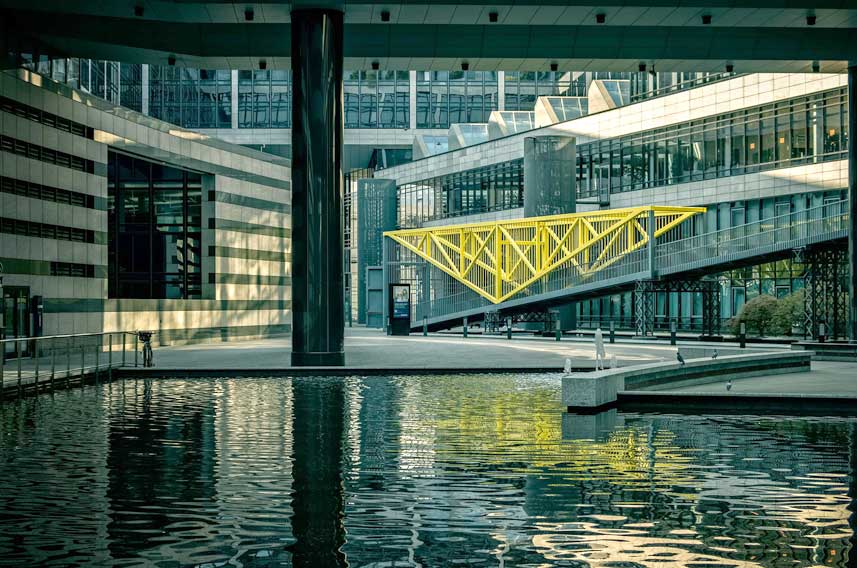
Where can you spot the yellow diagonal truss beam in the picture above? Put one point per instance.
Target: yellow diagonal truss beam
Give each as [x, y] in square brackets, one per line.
[499, 259]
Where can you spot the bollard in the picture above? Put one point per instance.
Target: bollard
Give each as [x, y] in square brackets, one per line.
[425, 326]
[465, 327]
[612, 332]
[742, 335]
[672, 332]
[822, 332]
[508, 328]
[558, 330]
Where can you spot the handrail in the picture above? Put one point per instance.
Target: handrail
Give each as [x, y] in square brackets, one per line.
[841, 204]
[66, 336]
[36, 364]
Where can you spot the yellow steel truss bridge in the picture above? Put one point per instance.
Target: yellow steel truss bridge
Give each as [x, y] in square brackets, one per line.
[499, 259]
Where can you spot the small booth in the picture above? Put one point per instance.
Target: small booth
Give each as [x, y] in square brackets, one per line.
[399, 309]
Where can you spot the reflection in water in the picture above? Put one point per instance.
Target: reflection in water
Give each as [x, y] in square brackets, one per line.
[413, 471]
[317, 521]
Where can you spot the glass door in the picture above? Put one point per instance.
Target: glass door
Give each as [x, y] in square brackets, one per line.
[16, 316]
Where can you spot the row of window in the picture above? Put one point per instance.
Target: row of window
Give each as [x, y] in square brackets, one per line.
[449, 97]
[191, 98]
[490, 188]
[72, 269]
[264, 99]
[45, 231]
[46, 193]
[46, 118]
[99, 77]
[796, 131]
[48, 155]
[377, 99]
[792, 132]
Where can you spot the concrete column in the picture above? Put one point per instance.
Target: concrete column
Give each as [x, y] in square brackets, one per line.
[376, 213]
[145, 94]
[650, 233]
[412, 99]
[501, 90]
[549, 176]
[550, 189]
[233, 97]
[852, 207]
[318, 303]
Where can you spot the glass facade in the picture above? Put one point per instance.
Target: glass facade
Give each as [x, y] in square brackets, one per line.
[522, 88]
[797, 131]
[191, 98]
[131, 86]
[449, 97]
[265, 99]
[154, 230]
[489, 188]
[377, 99]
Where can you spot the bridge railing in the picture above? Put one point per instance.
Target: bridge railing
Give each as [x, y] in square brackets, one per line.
[773, 234]
[435, 294]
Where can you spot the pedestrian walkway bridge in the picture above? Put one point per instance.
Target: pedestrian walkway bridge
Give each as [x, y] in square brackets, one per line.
[535, 263]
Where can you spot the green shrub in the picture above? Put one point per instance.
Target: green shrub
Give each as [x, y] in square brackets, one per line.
[788, 313]
[758, 315]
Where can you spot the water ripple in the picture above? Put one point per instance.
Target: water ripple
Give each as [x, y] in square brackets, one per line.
[410, 471]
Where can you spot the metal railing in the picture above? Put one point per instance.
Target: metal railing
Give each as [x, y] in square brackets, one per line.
[32, 364]
[774, 234]
[684, 85]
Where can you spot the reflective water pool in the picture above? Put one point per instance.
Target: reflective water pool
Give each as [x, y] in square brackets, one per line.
[412, 471]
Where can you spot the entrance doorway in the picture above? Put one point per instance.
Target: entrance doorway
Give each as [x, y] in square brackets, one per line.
[16, 317]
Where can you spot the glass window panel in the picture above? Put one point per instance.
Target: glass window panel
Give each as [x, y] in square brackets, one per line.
[832, 131]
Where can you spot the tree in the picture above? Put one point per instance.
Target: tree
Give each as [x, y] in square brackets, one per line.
[789, 313]
[757, 314]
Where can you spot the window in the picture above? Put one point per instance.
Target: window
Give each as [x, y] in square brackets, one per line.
[155, 236]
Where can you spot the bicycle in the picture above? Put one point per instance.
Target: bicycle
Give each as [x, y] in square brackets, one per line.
[148, 354]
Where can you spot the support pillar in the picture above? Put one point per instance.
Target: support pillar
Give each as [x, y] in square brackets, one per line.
[650, 248]
[318, 316]
[852, 204]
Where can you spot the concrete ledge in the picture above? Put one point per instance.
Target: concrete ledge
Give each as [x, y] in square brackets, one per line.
[738, 403]
[593, 391]
[828, 351]
[347, 371]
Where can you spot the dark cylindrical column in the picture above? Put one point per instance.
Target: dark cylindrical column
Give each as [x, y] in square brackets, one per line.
[318, 310]
[852, 207]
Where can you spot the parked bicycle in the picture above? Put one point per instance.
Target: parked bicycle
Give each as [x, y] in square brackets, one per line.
[148, 355]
